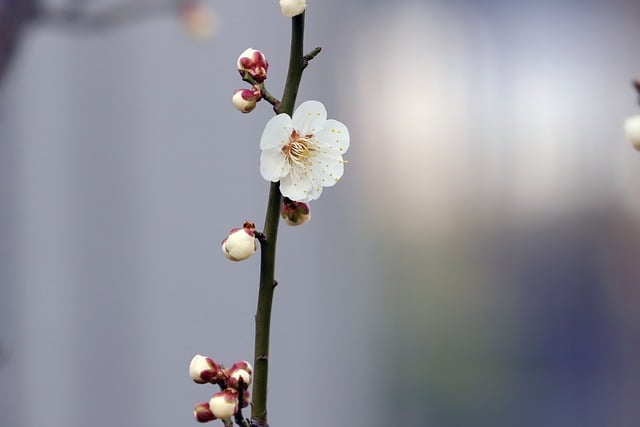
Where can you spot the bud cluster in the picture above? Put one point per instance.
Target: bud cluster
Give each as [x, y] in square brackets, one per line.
[233, 395]
[253, 63]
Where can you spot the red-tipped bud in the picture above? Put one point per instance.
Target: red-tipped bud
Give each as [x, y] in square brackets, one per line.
[245, 100]
[224, 404]
[255, 63]
[240, 371]
[241, 243]
[203, 369]
[295, 213]
[202, 412]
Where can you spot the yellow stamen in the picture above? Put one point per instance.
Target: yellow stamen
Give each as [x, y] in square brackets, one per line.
[298, 150]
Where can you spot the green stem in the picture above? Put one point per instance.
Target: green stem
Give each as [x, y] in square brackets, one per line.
[268, 244]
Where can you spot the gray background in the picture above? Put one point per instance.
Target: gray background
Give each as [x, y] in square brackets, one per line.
[477, 265]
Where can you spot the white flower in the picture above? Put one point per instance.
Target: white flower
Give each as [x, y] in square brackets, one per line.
[305, 152]
[291, 8]
[632, 131]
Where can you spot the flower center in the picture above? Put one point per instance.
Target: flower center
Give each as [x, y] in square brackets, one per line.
[299, 149]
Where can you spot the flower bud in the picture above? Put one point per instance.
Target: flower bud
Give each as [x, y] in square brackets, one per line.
[198, 19]
[240, 370]
[224, 404]
[202, 413]
[203, 369]
[291, 8]
[255, 63]
[632, 130]
[245, 100]
[241, 243]
[295, 213]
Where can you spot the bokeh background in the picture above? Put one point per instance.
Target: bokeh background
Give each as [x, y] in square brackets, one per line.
[476, 266]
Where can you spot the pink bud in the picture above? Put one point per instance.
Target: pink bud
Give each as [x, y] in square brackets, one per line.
[202, 413]
[224, 404]
[295, 213]
[255, 63]
[245, 100]
[203, 369]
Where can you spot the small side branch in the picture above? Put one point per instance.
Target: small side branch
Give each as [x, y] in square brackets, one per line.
[309, 56]
[263, 90]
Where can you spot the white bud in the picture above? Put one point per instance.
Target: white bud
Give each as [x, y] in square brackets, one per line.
[224, 404]
[291, 8]
[632, 131]
[203, 369]
[245, 99]
[241, 243]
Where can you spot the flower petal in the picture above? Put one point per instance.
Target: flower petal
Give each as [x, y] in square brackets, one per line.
[277, 132]
[309, 117]
[273, 164]
[299, 186]
[335, 135]
[291, 189]
[327, 168]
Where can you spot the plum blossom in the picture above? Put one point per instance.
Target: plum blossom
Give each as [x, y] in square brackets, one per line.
[303, 152]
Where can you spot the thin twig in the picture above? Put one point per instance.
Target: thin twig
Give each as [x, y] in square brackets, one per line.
[268, 252]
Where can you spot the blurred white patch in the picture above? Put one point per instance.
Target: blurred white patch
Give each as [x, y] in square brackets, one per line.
[459, 120]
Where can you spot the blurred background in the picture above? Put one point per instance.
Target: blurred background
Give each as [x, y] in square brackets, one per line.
[476, 266]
